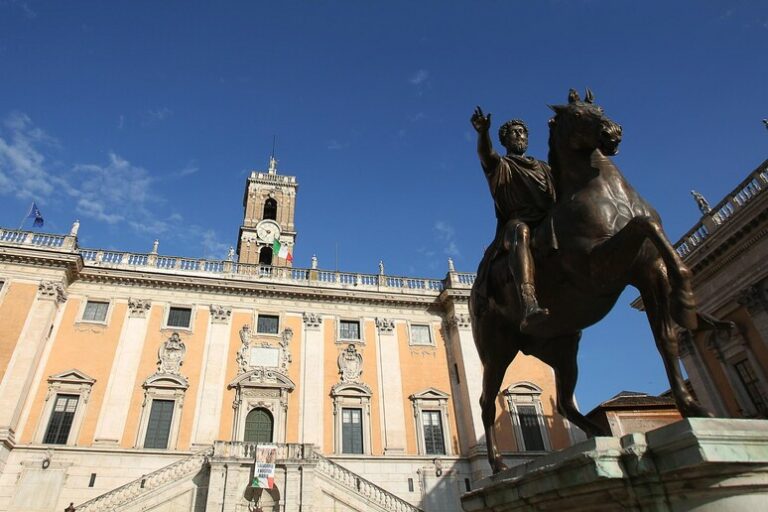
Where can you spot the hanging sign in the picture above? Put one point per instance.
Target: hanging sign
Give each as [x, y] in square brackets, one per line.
[264, 466]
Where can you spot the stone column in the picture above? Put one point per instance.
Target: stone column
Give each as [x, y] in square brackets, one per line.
[213, 381]
[26, 356]
[755, 298]
[708, 394]
[122, 379]
[465, 352]
[313, 390]
[390, 388]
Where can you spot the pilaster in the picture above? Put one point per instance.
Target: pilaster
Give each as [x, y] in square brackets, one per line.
[213, 380]
[391, 388]
[312, 385]
[17, 380]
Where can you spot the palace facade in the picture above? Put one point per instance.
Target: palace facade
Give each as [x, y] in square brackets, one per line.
[144, 381]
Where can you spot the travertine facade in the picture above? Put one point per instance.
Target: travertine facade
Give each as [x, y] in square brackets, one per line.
[161, 373]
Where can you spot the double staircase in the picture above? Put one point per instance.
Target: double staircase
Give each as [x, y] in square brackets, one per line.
[150, 491]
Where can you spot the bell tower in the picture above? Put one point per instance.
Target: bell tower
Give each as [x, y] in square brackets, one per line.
[267, 235]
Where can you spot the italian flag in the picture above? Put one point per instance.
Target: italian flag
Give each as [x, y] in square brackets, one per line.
[281, 250]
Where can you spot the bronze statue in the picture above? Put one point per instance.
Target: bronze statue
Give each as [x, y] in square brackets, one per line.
[599, 236]
[523, 193]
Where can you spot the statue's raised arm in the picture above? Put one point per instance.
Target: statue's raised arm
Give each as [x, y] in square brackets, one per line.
[482, 124]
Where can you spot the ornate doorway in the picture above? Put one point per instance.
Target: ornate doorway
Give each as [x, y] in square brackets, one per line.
[259, 426]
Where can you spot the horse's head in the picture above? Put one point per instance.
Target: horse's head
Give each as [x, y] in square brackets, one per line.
[582, 125]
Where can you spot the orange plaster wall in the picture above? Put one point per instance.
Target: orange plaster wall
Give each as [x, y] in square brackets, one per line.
[420, 370]
[190, 369]
[227, 412]
[89, 348]
[294, 370]
[14, 309]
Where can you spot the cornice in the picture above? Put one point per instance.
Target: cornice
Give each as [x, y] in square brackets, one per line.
[245, 288]
[71, 263]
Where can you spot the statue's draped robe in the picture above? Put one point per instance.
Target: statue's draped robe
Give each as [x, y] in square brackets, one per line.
[522, 189]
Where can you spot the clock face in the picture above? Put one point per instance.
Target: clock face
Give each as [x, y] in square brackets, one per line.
[268, 230]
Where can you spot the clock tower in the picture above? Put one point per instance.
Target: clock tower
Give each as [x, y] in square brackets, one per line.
[269, 207]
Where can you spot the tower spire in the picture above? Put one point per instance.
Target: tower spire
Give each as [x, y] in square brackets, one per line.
[272, 160]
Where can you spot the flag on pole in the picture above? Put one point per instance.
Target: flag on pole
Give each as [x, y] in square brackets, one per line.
[281, 251]
[34, 213]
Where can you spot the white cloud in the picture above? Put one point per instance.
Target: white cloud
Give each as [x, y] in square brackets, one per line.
[446, 235]
[335, 145]
[24, 171]
[156, 115]
[419, 77]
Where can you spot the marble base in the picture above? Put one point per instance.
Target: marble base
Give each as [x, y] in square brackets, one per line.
[697, 464]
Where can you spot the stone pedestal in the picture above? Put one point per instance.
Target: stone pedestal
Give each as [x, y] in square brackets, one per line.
[698, 464]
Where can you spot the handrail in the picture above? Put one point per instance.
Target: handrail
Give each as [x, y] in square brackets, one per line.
[145, 483]
[363, 487]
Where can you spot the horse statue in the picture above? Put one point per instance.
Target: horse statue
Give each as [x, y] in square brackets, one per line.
[606, 237]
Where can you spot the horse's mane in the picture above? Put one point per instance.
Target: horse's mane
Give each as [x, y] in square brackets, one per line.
[552, 158]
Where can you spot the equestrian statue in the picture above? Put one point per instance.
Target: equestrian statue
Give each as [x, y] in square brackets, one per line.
[588, 234]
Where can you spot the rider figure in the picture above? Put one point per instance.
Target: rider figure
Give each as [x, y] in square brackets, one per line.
[523, 193]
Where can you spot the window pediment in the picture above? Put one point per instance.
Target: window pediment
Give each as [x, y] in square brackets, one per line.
[430, 394]
[523, 388]
[351, 389]
[166, 380]
[72, 376]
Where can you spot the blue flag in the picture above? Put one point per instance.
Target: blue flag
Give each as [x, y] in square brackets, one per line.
[34, 213]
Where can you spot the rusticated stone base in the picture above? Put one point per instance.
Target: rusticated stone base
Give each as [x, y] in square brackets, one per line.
[698, 464]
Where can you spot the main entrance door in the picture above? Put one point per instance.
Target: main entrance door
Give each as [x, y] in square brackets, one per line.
[258, 426]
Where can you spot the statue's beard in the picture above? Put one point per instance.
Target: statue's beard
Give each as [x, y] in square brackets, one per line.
[517, 147]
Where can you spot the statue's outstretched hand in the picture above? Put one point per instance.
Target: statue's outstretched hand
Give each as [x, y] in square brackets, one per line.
[480, 121]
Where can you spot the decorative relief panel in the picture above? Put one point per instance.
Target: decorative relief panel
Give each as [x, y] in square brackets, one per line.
[171, 355]
[50, 290]
[385, 325]
[460, 321]
[138, 308]
[312, 320]
[264, 354]
[350, 363]
[755, 298]
[220, 314]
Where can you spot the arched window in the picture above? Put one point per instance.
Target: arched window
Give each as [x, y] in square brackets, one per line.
[265, 256]
[270, 209]
[258, 426]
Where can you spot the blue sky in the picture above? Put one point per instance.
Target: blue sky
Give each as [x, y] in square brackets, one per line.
[143, 119]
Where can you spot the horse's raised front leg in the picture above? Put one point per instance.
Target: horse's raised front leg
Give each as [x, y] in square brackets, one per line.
[560, 354]
[655, 289]
[612, 261]
[493, 374]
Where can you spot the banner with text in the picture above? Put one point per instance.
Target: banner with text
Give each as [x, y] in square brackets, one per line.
[264, 466]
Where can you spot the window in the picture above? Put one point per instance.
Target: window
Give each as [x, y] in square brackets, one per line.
[265, 256]
[179, 317]
[352, 414]
[433, 433]
[159, 420]
[64, 408]
[430, 412]
[421, 335]
[349, 330]
[95, 311]
[270, 209]
[159, 426]
[524, 402]
[258, 426]
[61, 420]
[351, 431]
[267, 324]
[529, 424]
[751, 385]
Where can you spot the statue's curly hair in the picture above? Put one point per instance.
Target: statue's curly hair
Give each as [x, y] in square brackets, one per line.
[503, 129]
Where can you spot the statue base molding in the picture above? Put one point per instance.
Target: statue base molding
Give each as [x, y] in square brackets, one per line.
[697, 465]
